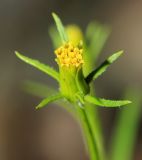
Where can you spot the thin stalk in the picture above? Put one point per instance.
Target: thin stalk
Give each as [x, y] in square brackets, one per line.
[94, 121]
[88, 134]
[125, 133]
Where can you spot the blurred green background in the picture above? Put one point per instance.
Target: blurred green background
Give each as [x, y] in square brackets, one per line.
[51, 133]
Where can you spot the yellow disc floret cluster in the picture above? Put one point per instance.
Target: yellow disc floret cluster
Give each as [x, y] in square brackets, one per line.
[69, 55]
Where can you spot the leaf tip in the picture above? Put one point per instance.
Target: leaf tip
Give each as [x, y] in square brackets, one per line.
[20, 56]
[37, 107]
[115, 56]
[54, 15]
[129, 102]
[126, 102]
[119, 53]
[16, 53]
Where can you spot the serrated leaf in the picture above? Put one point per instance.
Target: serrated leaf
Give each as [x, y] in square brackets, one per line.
[102, 68]
[60, 28]
[49, 100]
[106, 103]
[42, 67]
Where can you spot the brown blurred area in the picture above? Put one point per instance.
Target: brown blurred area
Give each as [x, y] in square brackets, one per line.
[51, 133]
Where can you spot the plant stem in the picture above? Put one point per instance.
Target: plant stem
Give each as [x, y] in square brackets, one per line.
[94, 121]
[88, 134]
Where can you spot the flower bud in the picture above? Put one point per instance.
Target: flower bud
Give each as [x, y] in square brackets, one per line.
[70, 61]
[74, 33]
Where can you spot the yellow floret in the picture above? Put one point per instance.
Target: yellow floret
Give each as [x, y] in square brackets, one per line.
[69, 55]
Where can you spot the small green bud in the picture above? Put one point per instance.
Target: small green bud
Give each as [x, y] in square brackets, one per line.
[74, 33]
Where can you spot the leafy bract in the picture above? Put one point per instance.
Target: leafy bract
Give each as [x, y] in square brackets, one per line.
[96, 34]
[48, 100]
[44, 68]
[126, 127]
[81, 83]
[60, 28]
[38, 89]
[102, 68]
[43, 90]
[55, 37]
[106, 103]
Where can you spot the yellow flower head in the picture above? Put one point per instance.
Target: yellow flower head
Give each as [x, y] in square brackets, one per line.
[69, 55]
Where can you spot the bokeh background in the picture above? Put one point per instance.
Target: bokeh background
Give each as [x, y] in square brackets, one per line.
[51, 133]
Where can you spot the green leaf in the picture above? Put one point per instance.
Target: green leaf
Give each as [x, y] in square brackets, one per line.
[38, 89]
[55, 37]
[44, 68]
[126, 128]
[43, 90]
[102, 68]
[83, 87]
[60, 28]
[48, 100]
[106, 103]
[97, 35]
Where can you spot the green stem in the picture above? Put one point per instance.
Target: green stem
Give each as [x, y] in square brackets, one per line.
[94, 121]
[88, 134]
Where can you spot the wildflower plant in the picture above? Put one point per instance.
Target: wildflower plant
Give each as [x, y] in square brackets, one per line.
[75, 76]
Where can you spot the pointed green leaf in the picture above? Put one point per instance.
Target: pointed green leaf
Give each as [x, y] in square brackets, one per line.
[102, 68]
[97, 34]
[83, 87]
[126, 128]
[96, 38]
[42, 91]
[106, 103]
[60, 28]
[44, 68]
[38, 89]
[48, 100]
[55, 37]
